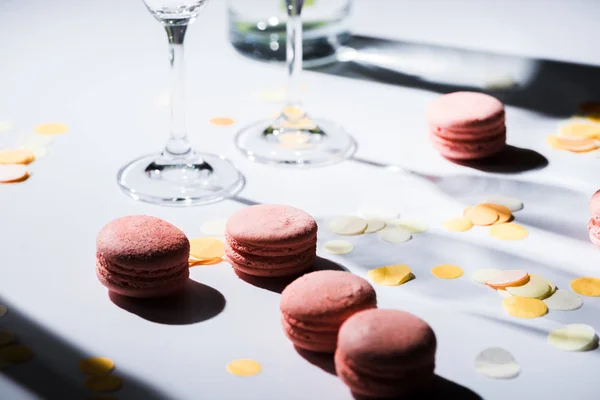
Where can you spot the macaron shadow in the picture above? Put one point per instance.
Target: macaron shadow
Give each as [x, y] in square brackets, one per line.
[277, 285]
[439, 388]
[510, 160]
[197, 303]
[321, 360]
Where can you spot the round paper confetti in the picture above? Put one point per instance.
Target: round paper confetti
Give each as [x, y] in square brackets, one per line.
[503, 293]
[411, 226]
[16, 156]
[391, 275]
[96, 365]
[243, 368]
[214, 228]
[221, 121]
[51, 129]
[13, 173]
[563, 300]
[205, 261]
[6, 337]
[549, 283]
[103, 383]
[206, 247]
[523, 307]
[586, 286]
[511, 203]
[447, 271]
[574, 337]
[511, 277]
[581, 130]
[338, 247]
[497, 363]
[480, 215]
[3, 310]
[394, 235]
[347, 225]
[16, 354]
[535, 288]
[458, 225]
[375, 225]
[485, 275]
[381, 213]
[504, 213]
[572, 144]
[508, 232]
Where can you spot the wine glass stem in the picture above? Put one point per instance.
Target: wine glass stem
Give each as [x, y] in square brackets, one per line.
[294, 52]
[178, 144]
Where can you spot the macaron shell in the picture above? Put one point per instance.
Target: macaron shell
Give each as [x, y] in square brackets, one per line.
[594, 229]
[595, 203]
[491, 129]
[322, 342]
[266, 273]
[143, 289]
[462, 150]
[271, 225]
[464, 109]
[270, 249]
[273, 262]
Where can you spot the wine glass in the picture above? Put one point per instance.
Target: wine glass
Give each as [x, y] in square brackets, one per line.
[294, 138]
[179, 175]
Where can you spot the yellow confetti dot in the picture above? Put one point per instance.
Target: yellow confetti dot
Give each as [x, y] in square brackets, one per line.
[16, 156]
[51, 129]
[572, 144]
[508, 232]
[504, 213]
[103, 383]
[581, 130]
[586, 286]
[338, 247]
[391, 275]
[96, 365]
[537, 288]
[221, 121]
[16, 354]
[6, 337]
[524, 307]
[447, 271]
[458, 225]
[243, 368]
[411, 226]
[211, 261]
[481, 215]
[206, 248]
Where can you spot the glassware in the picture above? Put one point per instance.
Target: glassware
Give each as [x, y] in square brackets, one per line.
[179, 175]
[257, 28]
[294, 138]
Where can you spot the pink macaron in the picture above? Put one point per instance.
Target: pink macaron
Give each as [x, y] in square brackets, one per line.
[314, 306]
[594, 224]
[467, 125]
[385, 353]
[271, 240]
[142, 256]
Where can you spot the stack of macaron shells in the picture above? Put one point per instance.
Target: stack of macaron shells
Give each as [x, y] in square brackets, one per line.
[385, 354]
[142, 256]
[594, 224]
[271, 240]
[314, 306]
[467, 125]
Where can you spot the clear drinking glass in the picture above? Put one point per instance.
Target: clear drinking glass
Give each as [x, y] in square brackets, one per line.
[179, 175]
[257, 28]
[294, 138]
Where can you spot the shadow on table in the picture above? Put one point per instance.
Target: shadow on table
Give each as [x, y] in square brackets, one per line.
[321, 360]
[50, 374]
[511, 160]
[539, 212]
[197, 303]
[278, 284]
[440, 388]
[549, 87]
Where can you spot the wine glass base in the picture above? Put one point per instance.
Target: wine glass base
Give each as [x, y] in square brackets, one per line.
[196, 179]
[328, 144]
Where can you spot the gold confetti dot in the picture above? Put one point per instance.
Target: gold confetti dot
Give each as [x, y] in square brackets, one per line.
[206, 248]
[243, 368]
[508, 232]
[581, 130]
[16, 156]
[447, 271]
[51, 129]
[504, 213]
[574, 145]
[6, 337]
[338, 247]
[210, 261]
[96, 365]
[221, 121]
[586, 286]
[523, 307]
[481, 215]
[16, 354]
[103, 383]
[391, 275]
[458, 225]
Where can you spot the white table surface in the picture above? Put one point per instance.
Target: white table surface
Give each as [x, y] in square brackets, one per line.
[101, 68]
